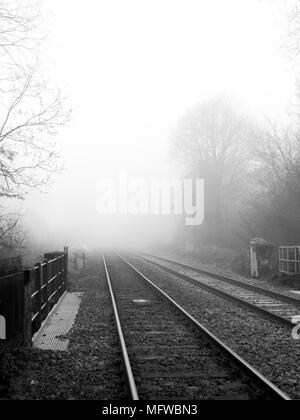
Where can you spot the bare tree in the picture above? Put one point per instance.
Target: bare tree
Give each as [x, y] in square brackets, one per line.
[31, 110]
[291, 40]
[31, 107]
[12, 235]
[29, 117]
[211, 143]
[277, 149]
[274, 205]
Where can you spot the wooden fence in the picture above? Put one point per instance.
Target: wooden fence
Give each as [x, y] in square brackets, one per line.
[27, 298]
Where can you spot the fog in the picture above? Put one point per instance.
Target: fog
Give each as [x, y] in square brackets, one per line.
[130, 70]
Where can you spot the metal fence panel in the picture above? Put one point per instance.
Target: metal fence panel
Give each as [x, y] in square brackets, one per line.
[289, 259]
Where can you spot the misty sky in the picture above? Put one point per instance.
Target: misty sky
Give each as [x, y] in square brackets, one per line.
[130, 69]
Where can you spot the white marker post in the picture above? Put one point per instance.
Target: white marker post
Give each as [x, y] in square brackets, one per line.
[2, 328]
[296, 329]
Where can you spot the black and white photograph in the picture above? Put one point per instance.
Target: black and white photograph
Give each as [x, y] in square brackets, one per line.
[149, 203]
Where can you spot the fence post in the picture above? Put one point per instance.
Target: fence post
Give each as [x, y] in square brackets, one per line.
[48, 276]
[75, 263]
[61, 278]
[27, 326]
[40, 297]
[66, 266]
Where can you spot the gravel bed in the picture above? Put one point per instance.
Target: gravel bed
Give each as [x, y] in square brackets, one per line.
[264, 344]
[194, 262]
[90, 368]
[240, 291]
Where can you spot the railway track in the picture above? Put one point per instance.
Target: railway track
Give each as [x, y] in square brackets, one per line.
[275, 306]
[168, 354]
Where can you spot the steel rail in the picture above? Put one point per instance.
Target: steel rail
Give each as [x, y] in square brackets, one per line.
[244, 366]
[252, 287]
[227, 295]
[129, 378]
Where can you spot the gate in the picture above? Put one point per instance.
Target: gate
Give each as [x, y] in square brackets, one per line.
[289, 259]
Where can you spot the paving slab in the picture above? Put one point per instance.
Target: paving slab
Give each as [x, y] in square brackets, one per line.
[53, 332]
